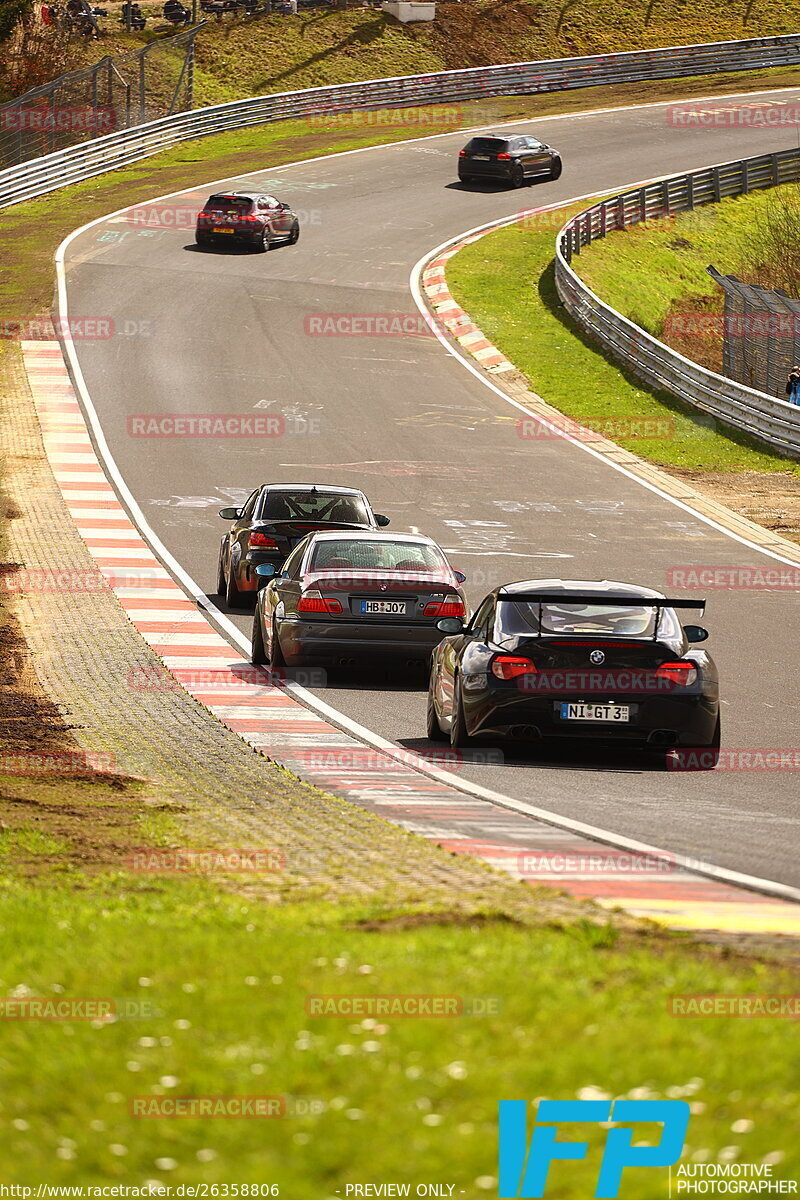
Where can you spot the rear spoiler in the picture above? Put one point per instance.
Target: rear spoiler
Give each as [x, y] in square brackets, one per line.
[578, 598]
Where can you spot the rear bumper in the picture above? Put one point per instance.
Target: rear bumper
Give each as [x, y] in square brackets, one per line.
[484, 170]
[351, 639]
[678, 720]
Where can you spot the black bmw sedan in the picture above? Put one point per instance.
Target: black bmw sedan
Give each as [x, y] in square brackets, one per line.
[552, 658]
[514, 158]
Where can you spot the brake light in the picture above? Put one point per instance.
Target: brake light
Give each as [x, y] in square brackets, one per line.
[260, 541]
[683, 673]
[504, 156]
[451, 606]
[462, 154]
[508, 666]
[315, 602]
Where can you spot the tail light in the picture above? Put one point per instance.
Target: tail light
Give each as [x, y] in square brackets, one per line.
[451, 606]
[682, 673]
[314, 602]
[508, 666]
[260, 541]
[462, 154]
[504, 156]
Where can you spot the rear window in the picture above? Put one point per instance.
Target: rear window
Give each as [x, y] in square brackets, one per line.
[315, 506]
[484, 145]
[363, 555]
[521, 618]
[229, 204]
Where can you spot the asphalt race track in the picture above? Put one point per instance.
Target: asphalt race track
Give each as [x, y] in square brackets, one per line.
[226, 331]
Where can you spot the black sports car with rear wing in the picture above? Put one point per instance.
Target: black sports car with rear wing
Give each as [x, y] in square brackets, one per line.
[551, 658]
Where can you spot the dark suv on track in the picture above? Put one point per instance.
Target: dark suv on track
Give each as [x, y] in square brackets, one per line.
[246, 217]
[513, 158]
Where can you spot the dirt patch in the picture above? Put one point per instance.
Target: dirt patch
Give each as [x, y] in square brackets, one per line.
[768, 498]
[420, 920]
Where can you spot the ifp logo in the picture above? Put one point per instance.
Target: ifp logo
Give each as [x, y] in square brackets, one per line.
[523, 1169]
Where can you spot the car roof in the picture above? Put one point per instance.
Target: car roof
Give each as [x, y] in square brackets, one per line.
[371, 535]
[602, 588]
[241, 195]
[503, 137]
[328, 489]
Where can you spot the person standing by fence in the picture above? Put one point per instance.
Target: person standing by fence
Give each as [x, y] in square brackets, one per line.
[793, 386]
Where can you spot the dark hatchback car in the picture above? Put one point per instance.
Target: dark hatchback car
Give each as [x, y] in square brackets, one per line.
[550, 658]
[272, 522]
[345, 597]
[250, 217]
[514, 158]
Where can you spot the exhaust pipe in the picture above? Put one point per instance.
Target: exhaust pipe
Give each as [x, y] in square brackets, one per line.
[662, 737]
[528, 733]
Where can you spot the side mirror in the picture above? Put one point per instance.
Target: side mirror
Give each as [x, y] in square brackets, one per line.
[695, 633]
[381, 520]
[265, 572]
[450, 625]
[460, 576]
[230, 514]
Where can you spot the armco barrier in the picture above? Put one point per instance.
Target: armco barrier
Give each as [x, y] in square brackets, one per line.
[772, 420]
[93, 157]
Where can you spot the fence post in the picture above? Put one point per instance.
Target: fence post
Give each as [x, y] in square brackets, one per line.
[716, 182]
[745, 177]
[642, 204]
[52, 138]
[690, 192]
[142, 89]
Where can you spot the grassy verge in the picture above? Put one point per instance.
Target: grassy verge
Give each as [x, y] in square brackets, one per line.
[528, 323]
[407, 1100]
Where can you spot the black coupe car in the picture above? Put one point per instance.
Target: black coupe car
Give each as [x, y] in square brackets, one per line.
[349, 596]
[514, 158]
[552, 658]
[271, 523]
[250, 217]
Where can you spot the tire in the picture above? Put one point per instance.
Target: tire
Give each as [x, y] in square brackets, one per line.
[433, 728]
[276, 658]
[555, 170]
[466, 179]
[517, 176]
[458, 729]
[203, 239]
[221, 585]
[263, 242]
[294, 236]
[258, 654]
[233, 597]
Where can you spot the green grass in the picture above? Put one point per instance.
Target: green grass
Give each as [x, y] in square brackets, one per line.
[505, 281]
[405, 1099]
[646, 270]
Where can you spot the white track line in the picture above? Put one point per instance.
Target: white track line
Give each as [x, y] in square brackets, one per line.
[752, 882]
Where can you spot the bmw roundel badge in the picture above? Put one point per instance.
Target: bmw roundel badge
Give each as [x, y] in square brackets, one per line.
[597, 656]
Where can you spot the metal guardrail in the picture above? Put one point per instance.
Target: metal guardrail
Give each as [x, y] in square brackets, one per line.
[118, 149]
[772, 420]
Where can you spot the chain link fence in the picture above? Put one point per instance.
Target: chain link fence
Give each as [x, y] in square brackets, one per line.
[115, 93]
[760, 334]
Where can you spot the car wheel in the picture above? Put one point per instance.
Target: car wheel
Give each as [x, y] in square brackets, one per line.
[221, 586]
[555, 170]
[433, 728]
[517, 176]
[276, 657]
[233, 597]
[258, 654]
[458, 729]
[294, 235]
[264, 241]
[203, 239]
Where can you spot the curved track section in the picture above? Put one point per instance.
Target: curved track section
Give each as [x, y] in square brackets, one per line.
[434, 447]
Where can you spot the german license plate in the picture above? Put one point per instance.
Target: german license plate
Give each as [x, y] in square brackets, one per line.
[218, 230]
[481, 157]
[394, 608]
[610, 713]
